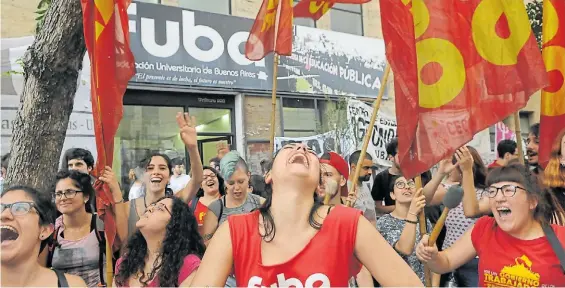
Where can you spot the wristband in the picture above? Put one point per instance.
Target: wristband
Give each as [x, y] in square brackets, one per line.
[119, 202]
[412, 213]
[410, 221]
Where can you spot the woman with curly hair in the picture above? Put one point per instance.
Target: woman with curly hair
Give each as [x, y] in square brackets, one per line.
[164, 251]
[286, 241]
[554, 174]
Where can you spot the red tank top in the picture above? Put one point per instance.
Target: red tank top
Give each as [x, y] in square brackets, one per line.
[311, 267]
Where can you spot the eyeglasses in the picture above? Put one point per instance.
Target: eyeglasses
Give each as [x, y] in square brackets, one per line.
[18, 208]
[159, 206]
[206, 177]
[69, 194]
[404, 185]
[507, 190]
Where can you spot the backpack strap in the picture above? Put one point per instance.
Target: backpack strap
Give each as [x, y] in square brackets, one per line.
[555, 245]
[222, 200]
[61, 279]
[101, 247]
[193, 204]
[51, 247]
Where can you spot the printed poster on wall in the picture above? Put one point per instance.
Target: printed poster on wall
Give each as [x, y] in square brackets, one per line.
[320, 143]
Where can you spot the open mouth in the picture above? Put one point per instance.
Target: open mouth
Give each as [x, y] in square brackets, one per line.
[299, 158]
[210, 183]
[407, 194]
[8, 233]
[156, 179]
[503, 211]
[531, 153]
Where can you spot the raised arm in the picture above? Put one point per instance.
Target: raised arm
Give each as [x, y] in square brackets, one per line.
[121, 208]
[461, 252]
[472, 208]
[433, 191]
[217, 262]
[392, 272]
[187, 127]
[407, 240]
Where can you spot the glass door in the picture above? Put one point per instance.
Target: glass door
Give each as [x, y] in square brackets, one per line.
[208, 147]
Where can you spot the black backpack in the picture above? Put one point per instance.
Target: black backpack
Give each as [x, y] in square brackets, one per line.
[101, 247]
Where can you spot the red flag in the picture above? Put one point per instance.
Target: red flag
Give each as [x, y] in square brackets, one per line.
[459, 67]
[315, 9]
[552, 119]
[112, 65]
[263, 39]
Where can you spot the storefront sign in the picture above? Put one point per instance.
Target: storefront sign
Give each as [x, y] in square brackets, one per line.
[193, 48]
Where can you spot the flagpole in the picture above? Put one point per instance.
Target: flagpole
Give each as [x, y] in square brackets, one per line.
[274, 90]
[109, 264]
[423, 230]
[368, 135]
[518, 132]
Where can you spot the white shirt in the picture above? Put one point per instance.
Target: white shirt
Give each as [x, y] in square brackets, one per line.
[179, 182]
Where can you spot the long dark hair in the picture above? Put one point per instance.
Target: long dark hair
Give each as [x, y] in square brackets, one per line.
[221, 186]
[147, 161]
[82, 181]
[181, 239]
[548, 207]
[265, 209]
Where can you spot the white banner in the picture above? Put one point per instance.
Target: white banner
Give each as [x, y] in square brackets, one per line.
[320, 143]
[358, 117]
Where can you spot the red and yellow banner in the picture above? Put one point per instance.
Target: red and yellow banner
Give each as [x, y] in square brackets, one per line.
[553, 96]
[459, 67]
[315, 9]
[106, 35]
[263, 38]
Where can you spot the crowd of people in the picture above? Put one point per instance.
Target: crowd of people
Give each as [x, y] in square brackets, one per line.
[221, 226]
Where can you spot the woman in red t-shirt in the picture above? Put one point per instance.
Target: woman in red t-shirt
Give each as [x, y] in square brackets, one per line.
[294, 240]
[211, 189]
[512, 247]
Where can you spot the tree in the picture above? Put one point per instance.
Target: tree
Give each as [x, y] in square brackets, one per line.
[535, 13]
[51, 68]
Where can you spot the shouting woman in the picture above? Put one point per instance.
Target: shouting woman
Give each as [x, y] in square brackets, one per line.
[283, 242]
[165, 251]
[158, 172]
[211, 189]
[27, 220]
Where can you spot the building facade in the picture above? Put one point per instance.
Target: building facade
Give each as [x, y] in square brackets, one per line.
[189, 58]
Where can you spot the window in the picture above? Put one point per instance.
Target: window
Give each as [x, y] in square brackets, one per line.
[214, 6]
[299, 117]
[347, 18]
[303, 21]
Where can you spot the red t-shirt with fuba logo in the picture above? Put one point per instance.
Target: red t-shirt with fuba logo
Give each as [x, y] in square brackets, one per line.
[199, 212]
[328, 260]
[505, 261]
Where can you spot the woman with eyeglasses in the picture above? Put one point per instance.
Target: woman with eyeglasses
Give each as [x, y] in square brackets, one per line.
[400, 228]
[211, 189]
[295, 240]
[77, 246]
[166, 249]
[512, 246]
[26, 222]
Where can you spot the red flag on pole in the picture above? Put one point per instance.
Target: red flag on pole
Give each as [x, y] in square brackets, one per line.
[112, 65]
[263, 39]
[552, 119]
[315, 9]
[459, 67]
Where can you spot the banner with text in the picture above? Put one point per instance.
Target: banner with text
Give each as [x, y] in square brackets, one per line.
[194, 48]
[359, 116]
[320, 143]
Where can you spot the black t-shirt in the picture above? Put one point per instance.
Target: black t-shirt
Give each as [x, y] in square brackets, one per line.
[381, 186]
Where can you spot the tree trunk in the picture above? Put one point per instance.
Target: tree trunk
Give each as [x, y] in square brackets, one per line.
[51, 68]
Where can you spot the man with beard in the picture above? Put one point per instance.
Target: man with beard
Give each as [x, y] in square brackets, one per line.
[334, 168]
[532, 148]
[364, 201]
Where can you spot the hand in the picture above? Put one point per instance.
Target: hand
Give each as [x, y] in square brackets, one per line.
[464, 158]
[424, 252]
[187, 126]
[445, 166]
[109, 178]
[418, 203]
[352, 197]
